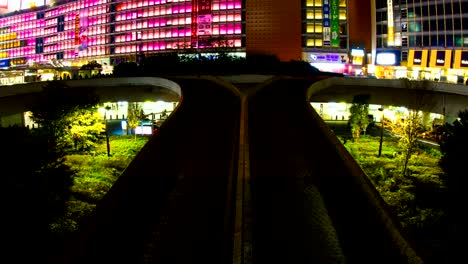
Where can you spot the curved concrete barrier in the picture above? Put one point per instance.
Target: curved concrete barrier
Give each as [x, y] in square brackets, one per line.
[436, 97]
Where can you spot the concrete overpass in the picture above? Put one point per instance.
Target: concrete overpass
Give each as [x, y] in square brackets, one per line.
[15, 99]
[250, 182]
[435, 97]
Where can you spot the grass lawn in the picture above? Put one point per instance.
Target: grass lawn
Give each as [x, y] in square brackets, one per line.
[93, 176]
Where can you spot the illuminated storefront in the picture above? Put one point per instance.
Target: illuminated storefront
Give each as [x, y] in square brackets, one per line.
[76, 32]
[460, 66]
[331, 62]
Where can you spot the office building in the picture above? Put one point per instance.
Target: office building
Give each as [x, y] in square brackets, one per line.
[420, 39]
[52, 36]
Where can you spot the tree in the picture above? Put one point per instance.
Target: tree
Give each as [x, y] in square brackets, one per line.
[409, 127]
[134, 111]
[84, 128]
[55, 110]
[359, 115]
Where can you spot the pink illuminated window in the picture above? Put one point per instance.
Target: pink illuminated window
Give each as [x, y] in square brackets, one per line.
[237, 29]
[230, 29]
[222, 29]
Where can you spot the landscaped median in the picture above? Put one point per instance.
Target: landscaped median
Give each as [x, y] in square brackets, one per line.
[93, 176]
[418, 199]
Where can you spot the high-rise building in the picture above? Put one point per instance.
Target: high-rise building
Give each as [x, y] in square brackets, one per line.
[71, 33]
[420, 39]
[325, 34]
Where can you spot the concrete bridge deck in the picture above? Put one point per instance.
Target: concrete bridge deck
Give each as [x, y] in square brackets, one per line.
[251, 183]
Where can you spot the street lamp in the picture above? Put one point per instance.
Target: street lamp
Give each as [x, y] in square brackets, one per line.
[381, 130]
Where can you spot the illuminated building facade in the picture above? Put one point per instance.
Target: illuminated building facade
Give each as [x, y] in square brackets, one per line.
[325, 34]
[430, 38]
[71, 33]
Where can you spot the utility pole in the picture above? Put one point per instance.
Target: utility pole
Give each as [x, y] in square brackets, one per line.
[381, 131]
[107, 132]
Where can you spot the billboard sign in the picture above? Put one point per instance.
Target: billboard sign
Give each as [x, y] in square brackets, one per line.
[81, 31]
[4, 63]
[390, 24]
[326, 23]
[204, 23]
[388, 58]
[335, 24]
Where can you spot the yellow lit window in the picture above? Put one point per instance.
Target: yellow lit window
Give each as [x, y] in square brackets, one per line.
[310, 3]
[310, 28]
[342, 14]
[318, 14]
[310, 14]
[342, 3]
[318, 27]
[310, 42]
[318, 42]
[318, 2]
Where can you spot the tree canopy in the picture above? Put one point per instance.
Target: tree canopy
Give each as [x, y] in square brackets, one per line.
[57, 109]
[359, 115]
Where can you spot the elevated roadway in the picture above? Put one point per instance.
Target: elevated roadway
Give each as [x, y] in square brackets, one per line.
[435, 97]
[233, 178]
